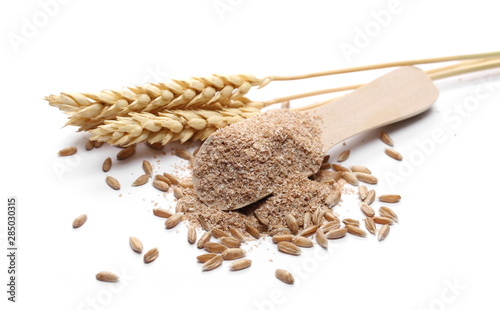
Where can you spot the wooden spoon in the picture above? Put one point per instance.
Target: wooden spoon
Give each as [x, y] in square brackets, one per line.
[398, 95]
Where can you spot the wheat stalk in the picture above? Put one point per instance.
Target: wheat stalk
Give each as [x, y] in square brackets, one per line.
[174, 125]
[89, 110]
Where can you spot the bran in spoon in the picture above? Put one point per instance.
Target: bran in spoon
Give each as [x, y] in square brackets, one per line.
[256, 157]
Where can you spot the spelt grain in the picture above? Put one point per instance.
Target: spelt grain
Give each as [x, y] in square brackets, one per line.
[212, 263]
[386, 138]
[148, 169]
[383, 232]
[106, 165]
[160, 185]
[232, 254]
[370, 225]
[388, 212]
[113, 183]
[191, 236]
[162, 213]
[288, 248]
[389, 198]
[203, 258]
[125, 153]
[79, 221]
[302, 242]
[151, 255]
[240, 264]
[284, 276]
[172, 221]
[135, 244]
[68, 151]
[343, 156]
[203, 240]
[394, 154]
[141, 180]
[214, 247]
[106, 276]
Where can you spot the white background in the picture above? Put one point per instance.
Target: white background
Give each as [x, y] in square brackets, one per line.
[443, 254]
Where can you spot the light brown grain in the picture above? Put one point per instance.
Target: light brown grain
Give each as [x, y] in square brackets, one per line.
[178, 193]
[162, 213]
[135, 244]
[203, 240]
[253, 231]
[366, 178]
[292, 223]
[240, 264]
[219, 233]
[350, 178]
[175, 219]
[383, 220]
[394, 154]
[113, 183]
[203, 258]
[383, 232]
[288, 248]
[367, 210]
[282, 237]
[388, 212]
[343, 156]
[232, 254]
[68, 151]
[173, 179]
[389, 198]
[191, 235]
[362, 192]
[89, 146]
[321, 239]
[106, 276]
[160, 185]
[141, 180]
[302, 242]
[106, 165]
[183, 154]
[370, 197]
[350, 221]
[126, 153]
[309, 231]
[359, 168]
[212, 263]
[151, 255]
[336, 233]
[355, 230]
[147, 167]
[230, 242]
[237, 233]
[386, 138]
[214, 247]
[79, 220]
[370, 225]
[284, 276]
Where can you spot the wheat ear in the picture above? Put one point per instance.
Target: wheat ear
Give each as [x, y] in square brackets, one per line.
[89, 110]
[174, 125]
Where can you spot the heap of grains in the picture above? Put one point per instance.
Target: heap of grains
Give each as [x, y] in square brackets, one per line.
[249, 160]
